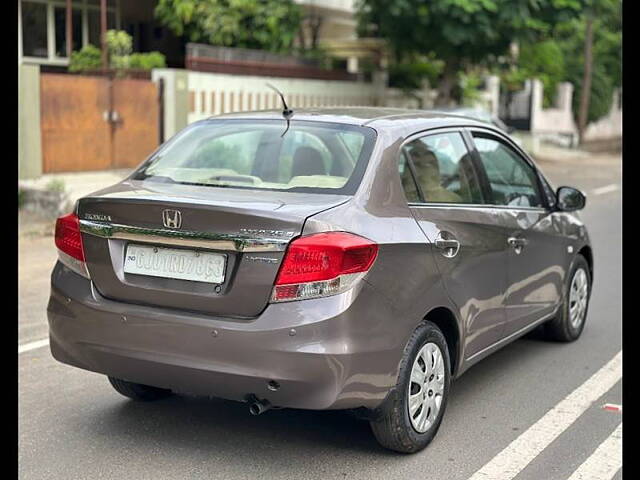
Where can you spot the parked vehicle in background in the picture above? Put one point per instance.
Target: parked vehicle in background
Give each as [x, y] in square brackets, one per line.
[353, 258]
[482, 115]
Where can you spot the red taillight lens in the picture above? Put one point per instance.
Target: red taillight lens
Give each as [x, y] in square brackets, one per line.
[68, 238]
[324, 256]
[323, 264]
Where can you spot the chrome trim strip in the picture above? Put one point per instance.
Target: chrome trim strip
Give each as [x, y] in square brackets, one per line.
[185, 238]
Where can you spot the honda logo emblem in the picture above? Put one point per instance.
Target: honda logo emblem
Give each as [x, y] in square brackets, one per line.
[172, 218]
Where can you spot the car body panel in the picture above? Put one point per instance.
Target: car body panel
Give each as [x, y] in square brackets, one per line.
[341, 351]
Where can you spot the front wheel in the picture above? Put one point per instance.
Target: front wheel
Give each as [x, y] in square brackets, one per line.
[569, 323]
[413, 411]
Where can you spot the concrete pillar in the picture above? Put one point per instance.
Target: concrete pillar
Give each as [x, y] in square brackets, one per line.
[176, 98]
[352, 64]
[564, 96]
[29, 136]
[493, 90]
[536, 103]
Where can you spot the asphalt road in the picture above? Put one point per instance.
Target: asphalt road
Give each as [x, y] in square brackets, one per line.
[73, 425]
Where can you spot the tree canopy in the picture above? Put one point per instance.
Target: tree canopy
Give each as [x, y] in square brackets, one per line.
[262, 24]
[461, 32]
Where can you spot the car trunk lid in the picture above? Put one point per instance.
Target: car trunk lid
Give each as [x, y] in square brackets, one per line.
[250, 228]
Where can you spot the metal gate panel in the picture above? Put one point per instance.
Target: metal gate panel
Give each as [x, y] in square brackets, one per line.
[96, 122]
[135, 103]
[75, 136]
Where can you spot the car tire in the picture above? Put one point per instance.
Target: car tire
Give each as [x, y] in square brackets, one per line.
[137, 391]
[569, 323]
[392, 424]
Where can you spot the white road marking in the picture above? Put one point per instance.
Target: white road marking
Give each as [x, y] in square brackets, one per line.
[519, 453]
[604, 462]
[26, 347]
[606, 189]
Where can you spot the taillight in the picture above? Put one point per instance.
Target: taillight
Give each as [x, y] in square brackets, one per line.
[69, 242]
[323, 264]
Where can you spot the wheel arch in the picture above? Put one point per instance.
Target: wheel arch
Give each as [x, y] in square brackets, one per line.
[446, 321]
[587, 253]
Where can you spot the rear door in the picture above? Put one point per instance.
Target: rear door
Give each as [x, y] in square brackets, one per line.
[536, 253]
[467, 240]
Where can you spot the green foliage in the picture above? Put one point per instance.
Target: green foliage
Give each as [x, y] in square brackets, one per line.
[56, 185]
[607, 55]
[260, 24]
[469, 84]
[545, 61]
[119, 45]
[22, 198]
[147, 61]
[461, 31]
[410, 75]
[602, 89]
[89, 58]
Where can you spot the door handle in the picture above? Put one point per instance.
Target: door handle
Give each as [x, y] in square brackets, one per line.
[518, 243]
[449, 247]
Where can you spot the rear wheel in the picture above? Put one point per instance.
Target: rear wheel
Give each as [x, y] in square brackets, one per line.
[569, 323]
[137, 391]
[413, 411]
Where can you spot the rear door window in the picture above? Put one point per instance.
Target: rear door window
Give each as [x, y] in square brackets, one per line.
[444, 169]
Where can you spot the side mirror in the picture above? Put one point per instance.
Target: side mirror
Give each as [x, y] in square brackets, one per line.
[569, 199]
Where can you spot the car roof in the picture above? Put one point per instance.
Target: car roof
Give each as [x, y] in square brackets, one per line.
[376, 117]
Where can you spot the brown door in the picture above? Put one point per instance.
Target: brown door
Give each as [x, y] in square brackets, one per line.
[136, 123]
[74, 134]
[96, 123]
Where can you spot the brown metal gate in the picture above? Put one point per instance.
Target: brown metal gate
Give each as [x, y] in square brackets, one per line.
[96, 123]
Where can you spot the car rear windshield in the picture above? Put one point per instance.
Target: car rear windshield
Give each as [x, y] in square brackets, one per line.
[258, 154]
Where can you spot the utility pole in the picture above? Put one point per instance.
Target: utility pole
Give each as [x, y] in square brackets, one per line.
[585, 94]
[103, 34]
[69, 32]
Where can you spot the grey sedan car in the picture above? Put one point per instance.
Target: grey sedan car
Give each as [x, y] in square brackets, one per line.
[352, 258]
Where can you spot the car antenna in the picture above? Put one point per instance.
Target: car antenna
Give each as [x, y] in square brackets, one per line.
[287, 113]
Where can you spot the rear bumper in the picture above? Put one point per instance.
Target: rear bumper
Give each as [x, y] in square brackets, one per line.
[335, 352]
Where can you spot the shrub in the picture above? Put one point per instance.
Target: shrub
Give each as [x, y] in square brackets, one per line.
[89, 58]
[120, 57]
[56, 185]
[147, 61]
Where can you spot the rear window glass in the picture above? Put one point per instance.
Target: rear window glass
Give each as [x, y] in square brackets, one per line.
[258, 154]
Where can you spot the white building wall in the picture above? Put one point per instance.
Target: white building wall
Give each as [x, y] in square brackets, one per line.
[559, 118]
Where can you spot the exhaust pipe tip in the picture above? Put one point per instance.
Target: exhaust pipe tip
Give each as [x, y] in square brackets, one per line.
[257, 406]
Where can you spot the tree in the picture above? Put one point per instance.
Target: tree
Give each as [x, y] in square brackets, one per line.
[462, 33]
[261, 24]
[592, 49]
[595, 9]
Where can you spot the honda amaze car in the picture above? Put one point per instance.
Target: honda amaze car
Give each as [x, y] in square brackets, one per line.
[352, 258]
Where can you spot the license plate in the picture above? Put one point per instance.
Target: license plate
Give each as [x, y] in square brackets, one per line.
[175, 263]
